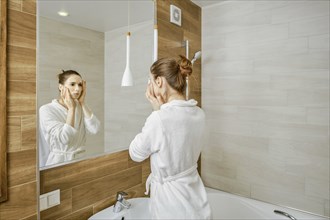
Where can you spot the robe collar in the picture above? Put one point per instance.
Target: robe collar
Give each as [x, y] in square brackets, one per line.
[180, 103]
[57, 103]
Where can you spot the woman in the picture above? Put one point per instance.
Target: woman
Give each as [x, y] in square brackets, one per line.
[171, 137]
[65, 121]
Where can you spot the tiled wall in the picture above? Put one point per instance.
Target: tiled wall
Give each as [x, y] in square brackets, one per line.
[121, 103]
[21, 112]
[65, 46]
[266, 97]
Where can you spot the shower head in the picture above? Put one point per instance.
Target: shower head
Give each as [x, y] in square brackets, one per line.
[196, 56]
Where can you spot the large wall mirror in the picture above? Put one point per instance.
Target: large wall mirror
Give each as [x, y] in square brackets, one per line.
[91, 39]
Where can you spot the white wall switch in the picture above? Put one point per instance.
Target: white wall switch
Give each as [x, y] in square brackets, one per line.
[43, 203]
[175, 15]
[54, 198]
[50, 199]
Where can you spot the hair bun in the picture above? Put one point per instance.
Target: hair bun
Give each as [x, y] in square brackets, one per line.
[185, 66]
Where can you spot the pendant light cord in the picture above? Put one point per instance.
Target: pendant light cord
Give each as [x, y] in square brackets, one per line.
[128, 16]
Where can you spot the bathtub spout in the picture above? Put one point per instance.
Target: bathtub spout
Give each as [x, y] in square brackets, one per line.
[285, 214]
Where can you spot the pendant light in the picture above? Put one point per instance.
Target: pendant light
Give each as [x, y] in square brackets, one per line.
[127, 79]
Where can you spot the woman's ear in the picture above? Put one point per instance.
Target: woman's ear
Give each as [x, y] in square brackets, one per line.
[60, 87]
[159, 81]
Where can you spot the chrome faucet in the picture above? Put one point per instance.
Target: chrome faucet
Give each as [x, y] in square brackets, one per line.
[121, 202]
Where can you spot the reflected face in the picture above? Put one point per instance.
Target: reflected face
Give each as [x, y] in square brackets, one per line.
[75, 85]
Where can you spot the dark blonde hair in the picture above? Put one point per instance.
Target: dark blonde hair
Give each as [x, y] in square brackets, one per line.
[174, 71]
[62, 77]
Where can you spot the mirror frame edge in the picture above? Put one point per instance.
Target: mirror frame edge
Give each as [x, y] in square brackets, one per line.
[3, 102]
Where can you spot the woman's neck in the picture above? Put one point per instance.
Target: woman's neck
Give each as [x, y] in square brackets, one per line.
[60, 100]
[175, 96]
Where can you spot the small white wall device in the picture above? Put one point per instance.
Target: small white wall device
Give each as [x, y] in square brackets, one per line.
[49, 200]
[175, 17]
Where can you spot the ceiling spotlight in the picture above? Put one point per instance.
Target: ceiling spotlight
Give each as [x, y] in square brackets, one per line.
[63, 13]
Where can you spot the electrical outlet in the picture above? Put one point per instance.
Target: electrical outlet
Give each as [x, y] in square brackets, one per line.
[49, 200]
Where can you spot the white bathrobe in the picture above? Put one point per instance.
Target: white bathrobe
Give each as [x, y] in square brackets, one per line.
[172, 138]
[58, 141]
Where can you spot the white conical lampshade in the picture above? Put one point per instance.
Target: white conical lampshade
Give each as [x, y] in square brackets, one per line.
[127, 79]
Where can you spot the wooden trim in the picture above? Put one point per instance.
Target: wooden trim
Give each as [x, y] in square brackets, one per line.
[3, 97]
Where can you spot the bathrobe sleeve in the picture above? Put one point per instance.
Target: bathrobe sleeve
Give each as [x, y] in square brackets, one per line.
[92, 124]
[55, 127]
[149, 140]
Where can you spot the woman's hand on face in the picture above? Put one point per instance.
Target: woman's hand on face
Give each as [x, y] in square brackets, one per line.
[155, 100]
[83, 93]
[67, 99]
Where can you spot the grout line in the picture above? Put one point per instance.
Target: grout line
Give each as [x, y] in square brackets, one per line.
[19, 185]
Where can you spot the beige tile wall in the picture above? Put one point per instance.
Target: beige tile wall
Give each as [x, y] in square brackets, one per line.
[265, 91]
[122, 103]
[66, 46]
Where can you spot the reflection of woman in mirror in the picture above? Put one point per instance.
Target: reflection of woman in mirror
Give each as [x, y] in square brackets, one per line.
[65, 121]
[172, 137]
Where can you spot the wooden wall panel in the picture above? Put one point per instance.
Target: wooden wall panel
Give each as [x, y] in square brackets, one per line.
[29, 6]
[28, 132]
[171, 37]
[14, 142]
[21, 64]
[84, 195]
[61, 210]
[15, 5]
[32, 217]
[21, 202]
[81, 214]
[92, 184]
[21, 112]
[69, 176]
[21, 167]
[23, 28]
[3, 102]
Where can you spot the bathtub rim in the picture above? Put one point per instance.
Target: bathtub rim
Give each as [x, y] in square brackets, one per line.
[210, 190]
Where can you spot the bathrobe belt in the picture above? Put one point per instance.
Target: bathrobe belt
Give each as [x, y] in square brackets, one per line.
[152, 178]
[69, 155]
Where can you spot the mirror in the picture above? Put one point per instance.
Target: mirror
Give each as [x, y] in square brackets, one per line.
[92, 41]
[3, 115]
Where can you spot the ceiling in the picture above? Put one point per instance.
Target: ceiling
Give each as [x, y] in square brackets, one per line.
[103, 15]
[98, 15]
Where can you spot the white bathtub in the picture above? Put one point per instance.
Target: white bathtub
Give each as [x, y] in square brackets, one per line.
[228, 206]
[224, 206]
